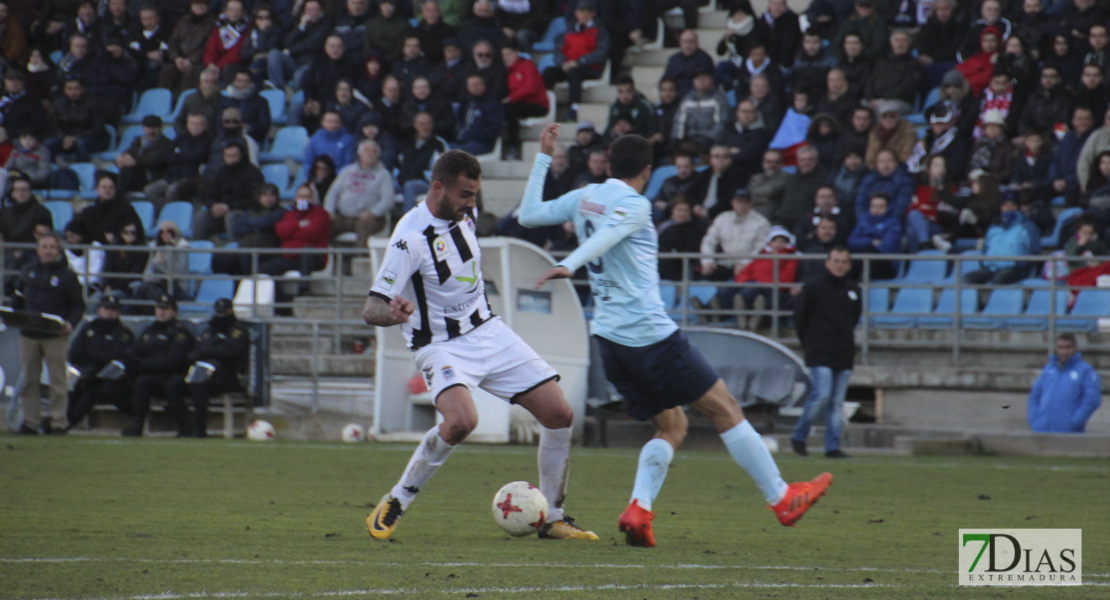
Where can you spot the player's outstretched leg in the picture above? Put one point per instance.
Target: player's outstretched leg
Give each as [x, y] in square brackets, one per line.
[547, 404]
[746, 447]
[428, 458]
[651, 472]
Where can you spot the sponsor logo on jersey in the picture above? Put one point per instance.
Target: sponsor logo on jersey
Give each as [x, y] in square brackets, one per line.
[586, 206]
[440, 247]
[619, 214]
[388, 278]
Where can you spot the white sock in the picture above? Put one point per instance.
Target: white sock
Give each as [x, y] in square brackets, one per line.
[748, 450]
[655, 459]
[428, 458]
[554, 461]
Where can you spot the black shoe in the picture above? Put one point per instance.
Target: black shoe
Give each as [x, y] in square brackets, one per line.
[46, 428]
[26, 430]
[60, 431]
[133, 430]
[836, 454]
[799, 448]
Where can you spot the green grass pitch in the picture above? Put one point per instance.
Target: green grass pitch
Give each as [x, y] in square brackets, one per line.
[118, 519]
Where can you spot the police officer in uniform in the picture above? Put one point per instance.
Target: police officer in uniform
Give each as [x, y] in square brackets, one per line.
[98, 344]
[219, 361]
[160, 360]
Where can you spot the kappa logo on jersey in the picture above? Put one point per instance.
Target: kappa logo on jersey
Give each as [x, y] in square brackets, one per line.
[388, 277]
[402, 245]
[448, 374]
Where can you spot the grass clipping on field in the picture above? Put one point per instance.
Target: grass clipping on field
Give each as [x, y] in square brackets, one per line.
[112, 519]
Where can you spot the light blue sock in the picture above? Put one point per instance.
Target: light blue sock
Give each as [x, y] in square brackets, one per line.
[655, 459]
[748, 450]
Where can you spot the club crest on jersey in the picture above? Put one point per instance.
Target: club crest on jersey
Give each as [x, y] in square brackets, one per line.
[388, 277]
[429, 374]
[440, 247]
[448, 374]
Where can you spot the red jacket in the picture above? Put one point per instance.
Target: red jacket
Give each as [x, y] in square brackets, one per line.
[762, 270]
[216, 54]
[577, 44]
[308, 229]
[526, 84]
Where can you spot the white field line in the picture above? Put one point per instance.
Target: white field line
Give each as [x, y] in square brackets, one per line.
[497, 565]
[619, 453]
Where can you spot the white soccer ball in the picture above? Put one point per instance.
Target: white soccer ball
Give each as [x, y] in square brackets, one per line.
[260, 431]
[519, 508]
[353, 432]
[771, 443]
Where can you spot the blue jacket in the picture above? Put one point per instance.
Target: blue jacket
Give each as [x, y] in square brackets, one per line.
[338, 144]
[480, 120]
[1066, 157]
[898, 184]
[1064, 397]
[887, 228]
[1006, 240]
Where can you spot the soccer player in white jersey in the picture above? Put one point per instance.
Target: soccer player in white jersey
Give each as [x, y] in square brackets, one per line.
[430, 283]
[646, 356]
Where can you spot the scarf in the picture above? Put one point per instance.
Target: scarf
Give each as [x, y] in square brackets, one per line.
[743, 27]
[754, 70]
[991, 101]
[231, 32]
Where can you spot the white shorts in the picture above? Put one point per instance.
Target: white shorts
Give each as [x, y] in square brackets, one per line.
[492, 357]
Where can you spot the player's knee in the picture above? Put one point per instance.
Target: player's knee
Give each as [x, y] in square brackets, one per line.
[560, 418]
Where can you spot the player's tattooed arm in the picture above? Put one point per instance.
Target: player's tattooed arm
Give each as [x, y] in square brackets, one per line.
[378, 312]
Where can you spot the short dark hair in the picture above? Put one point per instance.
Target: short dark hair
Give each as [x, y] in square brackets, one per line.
[267, 188]
[838, 248]
[453, 163]
[626, 80]
[885, 197]
[1067, 337]
[628, 156]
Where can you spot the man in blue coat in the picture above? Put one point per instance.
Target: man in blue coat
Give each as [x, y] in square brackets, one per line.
[1067, 392]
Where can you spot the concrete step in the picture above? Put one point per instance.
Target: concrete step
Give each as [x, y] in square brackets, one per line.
[353, 396]
[315, 307]
[362, 269]
[500, 195]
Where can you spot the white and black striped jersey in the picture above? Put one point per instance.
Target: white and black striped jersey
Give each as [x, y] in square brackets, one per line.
[436, 265]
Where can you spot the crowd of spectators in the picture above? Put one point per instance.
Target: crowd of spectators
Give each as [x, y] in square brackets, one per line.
[943, 128]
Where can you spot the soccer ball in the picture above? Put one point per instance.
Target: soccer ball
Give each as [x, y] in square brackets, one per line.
[771, 443]
[519, 508]
[260, 431]
[353, 432]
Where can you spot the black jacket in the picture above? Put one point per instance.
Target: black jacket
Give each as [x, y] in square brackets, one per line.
[52, 288]
[103, 218]
[235, 185]
[98, 343]
[825, 317]
[186, 154]
[81, 119]
[162, 349]
[17, 221]
[414, 161]
[226, 343]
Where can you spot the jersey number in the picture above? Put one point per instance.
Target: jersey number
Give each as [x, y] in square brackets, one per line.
[596, 266]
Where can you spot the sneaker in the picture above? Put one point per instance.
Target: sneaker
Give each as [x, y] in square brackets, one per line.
[838, 453]
[383, 519]
[941, 243]
[635, 522]
[565, 529]
[799, 497]
[45, 427]
[799, 448]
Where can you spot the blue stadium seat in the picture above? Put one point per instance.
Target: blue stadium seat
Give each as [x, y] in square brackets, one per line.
[1058, 202]
[878, 301]
[125, 140]
[704, 293]
[180, 105]
[61, 212]
[146, 215]
[657, 178]
[931, 98]
[276, 100]
[790, 170]
[278, 174]
[86, 175]
[1035, 317]
[1066, 216]
[547, 43]
[289, 143]
[1004, 302]
[968, 265]
[169, 131]
[545, 61]
[669, 293]
[200, 257]
[946, 309]
[211, 289]
[1090, 305]
[155, 101]
[287, 193]
[180, 213]
[909, 301]
[925, 271]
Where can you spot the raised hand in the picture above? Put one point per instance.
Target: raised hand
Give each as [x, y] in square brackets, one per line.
[548, 137]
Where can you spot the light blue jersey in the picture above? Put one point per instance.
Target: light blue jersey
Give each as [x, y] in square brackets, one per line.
[617, 244]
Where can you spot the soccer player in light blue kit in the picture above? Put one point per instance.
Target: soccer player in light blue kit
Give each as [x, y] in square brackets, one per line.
[646, 356]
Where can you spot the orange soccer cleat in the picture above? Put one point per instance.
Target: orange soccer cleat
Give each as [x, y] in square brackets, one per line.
[799, 497]
[635, 522]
